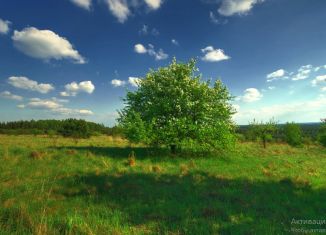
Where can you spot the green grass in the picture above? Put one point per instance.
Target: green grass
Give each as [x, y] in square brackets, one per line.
[57, 186]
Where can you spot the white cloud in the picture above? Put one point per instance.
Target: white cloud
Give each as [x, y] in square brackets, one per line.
[85, 112]
[43, 104]
[27, 84]
[72, 89]
[271, 87]
[54, 105]
[117, 82]
[214, 55]
[232, 7]
[21, 106]
[59, 100]
[134, 81]
[175, 42]
[45, 44]
[323, 88]
[72, 112]
[153, 4]
[4, 26]
[86, 4]
[319, 80]
[305, 111]
[251, 95]
[119, 8]
[9, 95]
[140, 49]
[303, 72]
[276, 75]
[158, 55]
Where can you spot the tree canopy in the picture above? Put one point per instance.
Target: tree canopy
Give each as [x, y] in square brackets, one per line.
[264, 131]
[173, 105]
[293, 134]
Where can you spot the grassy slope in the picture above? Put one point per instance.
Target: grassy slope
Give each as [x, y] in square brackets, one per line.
[88, 188]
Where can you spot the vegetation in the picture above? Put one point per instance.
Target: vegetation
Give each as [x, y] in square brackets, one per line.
[75, 128]
[263, 131]
[100, 186]
[293, 134]
[173, 106]
[52, 127]
[322, 133]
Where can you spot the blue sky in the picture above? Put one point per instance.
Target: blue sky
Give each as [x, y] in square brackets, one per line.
[77, 58]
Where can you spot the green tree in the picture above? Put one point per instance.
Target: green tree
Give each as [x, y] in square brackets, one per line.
[173, 106]
[292, 134]
[77, 129]
[322, 133]
[264, 131]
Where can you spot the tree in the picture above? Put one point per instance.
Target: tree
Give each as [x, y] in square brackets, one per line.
[263, 131]
[293, 134]
[77, 129]
[173, 106]
[322, 133]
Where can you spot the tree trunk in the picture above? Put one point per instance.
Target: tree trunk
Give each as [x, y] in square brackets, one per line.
[264, 142]
[173, 148]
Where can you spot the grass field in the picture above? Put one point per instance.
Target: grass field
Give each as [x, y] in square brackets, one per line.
[58, 186]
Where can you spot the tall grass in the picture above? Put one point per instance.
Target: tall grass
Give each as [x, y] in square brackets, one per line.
[105, 186]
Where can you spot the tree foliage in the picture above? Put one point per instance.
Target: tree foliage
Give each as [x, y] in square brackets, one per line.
[264, 131]
[322, 133]
[77, 129]
[292, 134]
[173, 106]
[51, 127]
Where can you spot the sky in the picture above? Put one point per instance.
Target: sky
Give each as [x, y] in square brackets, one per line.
[78, 58]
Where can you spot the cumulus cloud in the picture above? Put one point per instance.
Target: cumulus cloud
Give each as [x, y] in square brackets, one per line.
[140, 49]
[276, 75]
[303, 72]
[4, 26]
[175, 42]
[55, 106]
[232, 7]
[319, 80]
[122, 9]
[251, 95]
[134, 81]
[153, 4]
[10, 96]
[117, 82]
[21, 106]
[43, 104]
[119, 8]
[45, 44]
[86, 4]
[214, 55]
[27, 84]
[72, 89]
[158, 55]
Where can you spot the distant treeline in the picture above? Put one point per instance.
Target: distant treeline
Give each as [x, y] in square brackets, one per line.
[309, 130]
[39, 127]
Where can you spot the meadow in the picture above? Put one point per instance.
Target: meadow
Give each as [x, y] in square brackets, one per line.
[55, 185]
